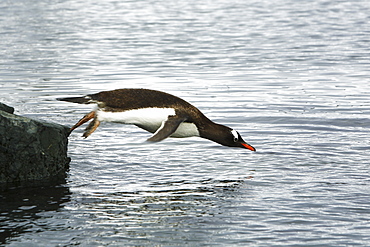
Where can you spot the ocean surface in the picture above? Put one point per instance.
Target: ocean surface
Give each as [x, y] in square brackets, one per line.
[293, 77]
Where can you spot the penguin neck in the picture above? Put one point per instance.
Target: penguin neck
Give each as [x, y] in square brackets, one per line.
[213, 131]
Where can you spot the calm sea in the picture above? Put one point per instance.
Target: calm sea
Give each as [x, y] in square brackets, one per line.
[291, 76]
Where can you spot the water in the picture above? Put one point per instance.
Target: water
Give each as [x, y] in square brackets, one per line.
[291, 76]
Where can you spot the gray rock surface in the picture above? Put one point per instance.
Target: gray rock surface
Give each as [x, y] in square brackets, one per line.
[30, 150]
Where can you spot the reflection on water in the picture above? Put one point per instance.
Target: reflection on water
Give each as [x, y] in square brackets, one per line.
[160, 212]
[27, 208]
[290, 76]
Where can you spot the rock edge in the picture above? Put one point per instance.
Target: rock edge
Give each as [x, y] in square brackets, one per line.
[31, 150]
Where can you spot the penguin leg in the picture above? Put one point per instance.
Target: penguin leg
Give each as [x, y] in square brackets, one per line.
[83, 120]
[93, 125]
[167, 128]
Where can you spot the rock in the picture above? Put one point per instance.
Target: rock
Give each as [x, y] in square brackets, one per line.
[6, 108]
[31, 150]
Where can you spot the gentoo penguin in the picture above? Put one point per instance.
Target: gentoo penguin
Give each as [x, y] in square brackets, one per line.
[160, 113]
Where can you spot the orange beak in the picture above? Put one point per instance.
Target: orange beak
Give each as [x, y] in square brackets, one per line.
[246, 145]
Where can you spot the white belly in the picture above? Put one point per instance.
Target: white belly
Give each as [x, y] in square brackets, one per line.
[186, 130]
[149, 119]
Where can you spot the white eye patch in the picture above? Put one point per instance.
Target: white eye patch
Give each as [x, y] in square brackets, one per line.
[235, 134]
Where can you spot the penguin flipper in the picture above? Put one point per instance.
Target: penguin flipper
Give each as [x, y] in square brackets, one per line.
[167, 128]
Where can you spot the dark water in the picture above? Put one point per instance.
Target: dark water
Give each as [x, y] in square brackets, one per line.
[291, 76]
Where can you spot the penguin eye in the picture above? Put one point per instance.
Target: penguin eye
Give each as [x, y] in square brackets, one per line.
[235, 135]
